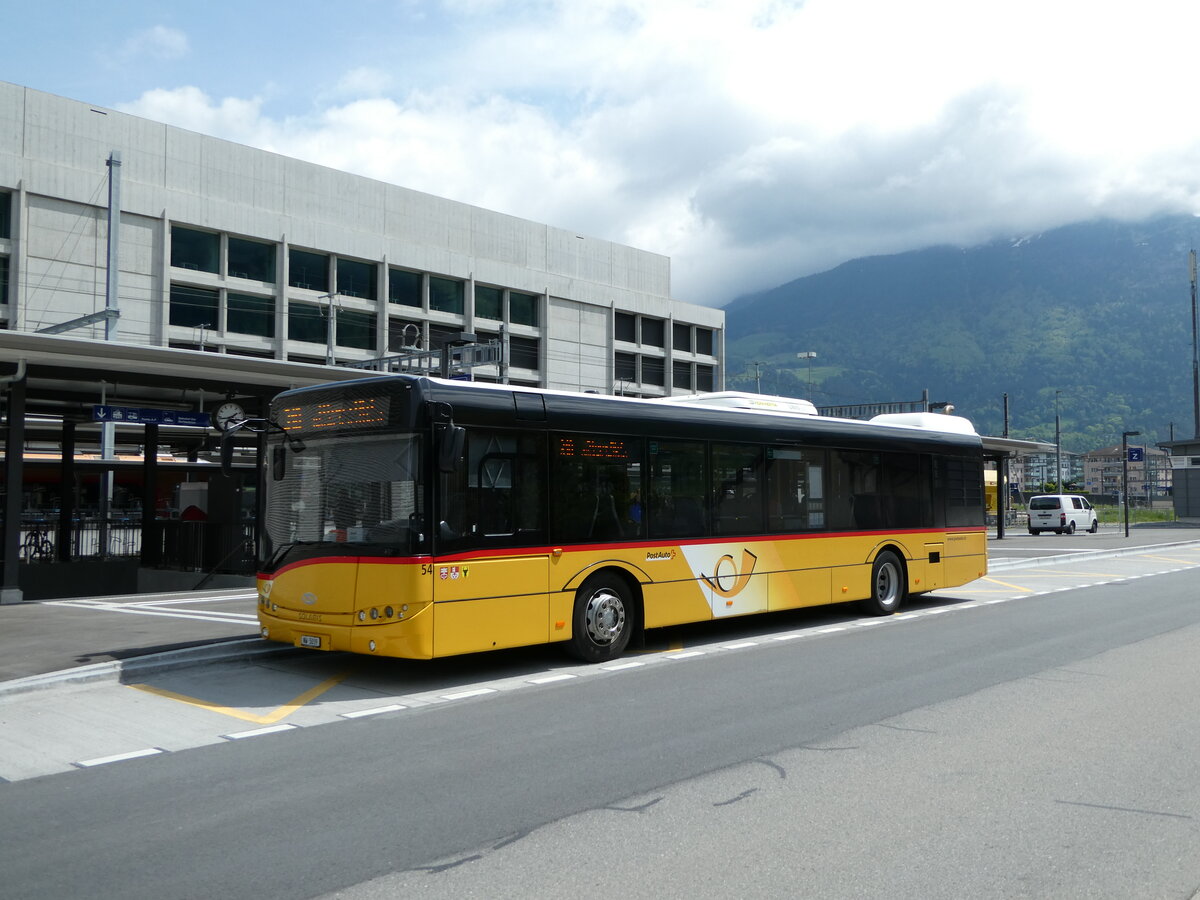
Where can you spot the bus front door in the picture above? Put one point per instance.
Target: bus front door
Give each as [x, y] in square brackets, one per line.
[488, 603]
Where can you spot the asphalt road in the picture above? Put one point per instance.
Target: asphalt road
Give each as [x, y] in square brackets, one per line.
[1043, 746]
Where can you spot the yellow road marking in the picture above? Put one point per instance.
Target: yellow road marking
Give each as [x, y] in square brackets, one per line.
[1073, 575]
[1015, 587]
[963, 590]
[671, 648]
[269, 719]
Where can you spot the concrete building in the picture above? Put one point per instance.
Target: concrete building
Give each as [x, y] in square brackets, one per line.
[238, 251]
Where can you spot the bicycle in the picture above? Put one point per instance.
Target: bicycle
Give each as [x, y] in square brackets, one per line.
[37, 545]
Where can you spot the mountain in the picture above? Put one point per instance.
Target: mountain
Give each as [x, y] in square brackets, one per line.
[1100, 311]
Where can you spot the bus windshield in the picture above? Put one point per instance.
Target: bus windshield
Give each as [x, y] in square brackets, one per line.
[345, 496]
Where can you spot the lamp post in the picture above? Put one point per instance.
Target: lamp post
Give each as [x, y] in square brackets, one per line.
[810, 355]
[1125, 436]
[1058, 488]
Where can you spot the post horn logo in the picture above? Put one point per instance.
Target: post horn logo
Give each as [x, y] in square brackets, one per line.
[728, 579]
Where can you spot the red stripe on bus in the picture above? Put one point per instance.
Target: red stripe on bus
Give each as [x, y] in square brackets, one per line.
[497, 552]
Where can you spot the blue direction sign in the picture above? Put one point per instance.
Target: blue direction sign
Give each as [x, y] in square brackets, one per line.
[134, 415]
[1137, 454]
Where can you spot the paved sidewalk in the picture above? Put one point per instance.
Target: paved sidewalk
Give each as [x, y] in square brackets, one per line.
[49, 636]
[96, 638]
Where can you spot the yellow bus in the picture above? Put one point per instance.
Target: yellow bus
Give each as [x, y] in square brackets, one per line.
[414, 517]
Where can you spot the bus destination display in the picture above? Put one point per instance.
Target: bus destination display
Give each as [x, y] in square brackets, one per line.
[593, 448]
[363, 412]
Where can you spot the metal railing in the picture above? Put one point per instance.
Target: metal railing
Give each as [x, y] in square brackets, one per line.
[192, 546]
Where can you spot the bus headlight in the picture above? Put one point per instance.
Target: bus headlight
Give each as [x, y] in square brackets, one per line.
[362, 615]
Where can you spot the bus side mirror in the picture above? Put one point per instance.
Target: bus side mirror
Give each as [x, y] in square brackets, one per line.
[450, 452]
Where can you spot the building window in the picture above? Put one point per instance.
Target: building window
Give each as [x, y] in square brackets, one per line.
[251, 259]
[625, 328]
[192, 249]
[625, 367]
[403, 335]
[489, 302]
[523, 352]
[653, 333]
[523, 309]
[446, 295]
[356, 279]
[3, 279]
[704, 341]
[404, 287]
[307, 322]
[681, 337]
[653, 370]
[194, 307]
[5, 215]
[704, 378]
[356, 329]
[681, 375]
[251, 315]
[308, 270]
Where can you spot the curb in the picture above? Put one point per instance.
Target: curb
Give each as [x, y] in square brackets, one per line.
[1001, 566]
[118, 670]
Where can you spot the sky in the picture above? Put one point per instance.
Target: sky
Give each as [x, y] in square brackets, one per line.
[752, 141]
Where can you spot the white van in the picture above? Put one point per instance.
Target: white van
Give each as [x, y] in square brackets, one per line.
[1063, 513]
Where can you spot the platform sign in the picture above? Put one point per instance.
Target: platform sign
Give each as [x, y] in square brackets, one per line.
[135, 415]
[1137, 454]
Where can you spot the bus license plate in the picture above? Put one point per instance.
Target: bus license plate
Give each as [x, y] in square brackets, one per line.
[309, 640]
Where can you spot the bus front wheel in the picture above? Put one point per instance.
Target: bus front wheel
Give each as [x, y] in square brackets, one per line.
[887, 585]
[602, 621]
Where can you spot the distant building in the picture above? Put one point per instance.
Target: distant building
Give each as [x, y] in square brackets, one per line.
[1038, 469]
[1150, 479]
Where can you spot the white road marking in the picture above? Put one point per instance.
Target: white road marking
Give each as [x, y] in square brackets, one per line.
[377, 711]
[119, 757]
[259, 732]
[550, 679]
[473, 692]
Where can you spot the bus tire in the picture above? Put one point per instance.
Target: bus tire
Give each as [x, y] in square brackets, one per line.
[603, 619]
[887, 585]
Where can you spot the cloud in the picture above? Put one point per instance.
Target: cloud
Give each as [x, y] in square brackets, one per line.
[755, 142]
[157, 43]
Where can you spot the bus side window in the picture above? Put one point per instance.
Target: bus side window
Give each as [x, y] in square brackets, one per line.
[678, 489]
[796, 490]
[737, 476]
[596, 487]
[499, 493]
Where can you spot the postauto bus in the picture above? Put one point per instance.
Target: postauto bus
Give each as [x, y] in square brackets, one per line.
[415, 517]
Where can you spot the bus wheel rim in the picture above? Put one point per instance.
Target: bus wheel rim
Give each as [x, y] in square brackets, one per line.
[604, 617]
[886, 584]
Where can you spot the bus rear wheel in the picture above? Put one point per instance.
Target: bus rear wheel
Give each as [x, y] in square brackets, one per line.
[602, 622]
[887, 585]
